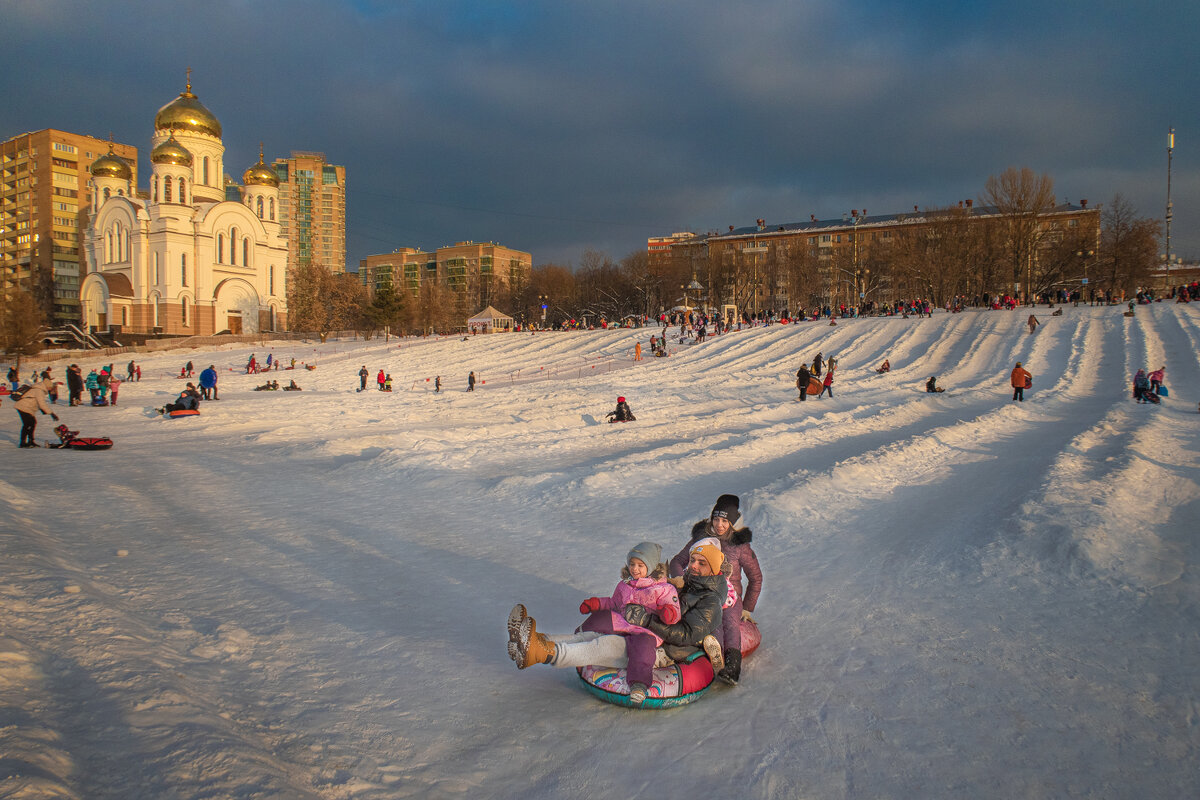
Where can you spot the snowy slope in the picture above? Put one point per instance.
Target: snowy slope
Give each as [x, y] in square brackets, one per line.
[302, 595]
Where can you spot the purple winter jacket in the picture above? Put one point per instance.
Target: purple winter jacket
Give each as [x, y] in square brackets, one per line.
[739, 556]
[652, 593]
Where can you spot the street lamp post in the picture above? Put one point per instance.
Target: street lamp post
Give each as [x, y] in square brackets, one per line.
[1170, 211]
[542, 300]
[1084, 255]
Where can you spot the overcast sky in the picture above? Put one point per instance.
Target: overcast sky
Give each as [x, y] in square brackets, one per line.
[554, 127]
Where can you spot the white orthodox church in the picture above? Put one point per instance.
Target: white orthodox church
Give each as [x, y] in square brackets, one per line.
[180, 258]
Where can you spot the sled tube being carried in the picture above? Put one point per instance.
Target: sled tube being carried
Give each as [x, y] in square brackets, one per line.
[676, 685]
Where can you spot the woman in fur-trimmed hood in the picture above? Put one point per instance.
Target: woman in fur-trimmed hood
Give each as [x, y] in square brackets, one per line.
[739, 557]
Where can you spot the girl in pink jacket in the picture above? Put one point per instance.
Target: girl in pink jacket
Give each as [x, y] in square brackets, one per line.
[606, 638]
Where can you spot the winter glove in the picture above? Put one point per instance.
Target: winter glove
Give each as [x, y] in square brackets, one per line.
[669, 614]
[636, 615]
[746, 616]
[54, 416]
[589, 605]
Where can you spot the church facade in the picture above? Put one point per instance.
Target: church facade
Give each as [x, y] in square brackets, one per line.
[178, 258]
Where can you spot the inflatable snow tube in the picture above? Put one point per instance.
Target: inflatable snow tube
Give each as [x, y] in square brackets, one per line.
[676, 685]
[90, 443]
[183, 412]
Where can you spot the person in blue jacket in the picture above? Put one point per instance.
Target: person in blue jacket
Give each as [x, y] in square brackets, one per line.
[208, 383]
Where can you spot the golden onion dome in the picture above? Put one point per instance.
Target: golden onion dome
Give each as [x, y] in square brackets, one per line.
[111, 165]
[171, 152]
[186, 113]
[260, 174]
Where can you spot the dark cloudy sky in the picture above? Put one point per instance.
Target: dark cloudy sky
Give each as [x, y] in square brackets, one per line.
[558, 126]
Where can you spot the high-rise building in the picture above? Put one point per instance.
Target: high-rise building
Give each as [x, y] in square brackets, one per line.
[44, 213]
[312, 202]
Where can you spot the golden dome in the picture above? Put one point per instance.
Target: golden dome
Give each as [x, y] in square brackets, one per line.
[186, 113]
[171, 152]
[260, 174]
[111, 165]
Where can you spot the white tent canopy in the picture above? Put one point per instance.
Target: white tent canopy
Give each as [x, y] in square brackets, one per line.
[490, 320]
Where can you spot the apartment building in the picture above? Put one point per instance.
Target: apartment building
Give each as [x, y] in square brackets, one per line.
[484, 273]
[44, 214]
[312, 209]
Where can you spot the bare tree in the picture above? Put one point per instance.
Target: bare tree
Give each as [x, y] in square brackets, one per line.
[1020, 197]
[1128, 247]
[322, 302]
[20, 323]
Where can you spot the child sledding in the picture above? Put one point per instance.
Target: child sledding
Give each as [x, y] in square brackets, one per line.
[72, 440]
[269, 386]
[931, 385]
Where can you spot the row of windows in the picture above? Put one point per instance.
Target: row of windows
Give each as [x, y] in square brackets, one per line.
[63, 148]
[166, 190]
[258, 207]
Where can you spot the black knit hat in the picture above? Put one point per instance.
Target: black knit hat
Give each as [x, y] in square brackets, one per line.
[726, 508]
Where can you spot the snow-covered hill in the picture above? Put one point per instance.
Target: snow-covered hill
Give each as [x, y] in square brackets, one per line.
[303, 595]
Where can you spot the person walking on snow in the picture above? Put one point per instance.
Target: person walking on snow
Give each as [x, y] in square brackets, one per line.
[471, 382]
[208, 383]
[1033, 323]
[817, 363]
[1020, 380]
[363, 374]
[803, 378]
[437, 384]
[827, 385]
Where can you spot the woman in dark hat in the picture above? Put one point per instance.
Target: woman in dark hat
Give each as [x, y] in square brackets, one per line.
[739, 556]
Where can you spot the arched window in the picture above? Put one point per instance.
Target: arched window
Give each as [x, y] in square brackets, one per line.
[157, 273]
[120, 192]
[154, 185]
[124, 315]
[272, 209]
[120, 248]
[233, 237]
[204, 175]
[246, 251]
[271, 280]
[183, 268]
[107, 193]
[108, 253]
[154, 306]
[260, 207]
[182, 191]
[220, 248]
[167, 189]
[183, 310]
[128, 248]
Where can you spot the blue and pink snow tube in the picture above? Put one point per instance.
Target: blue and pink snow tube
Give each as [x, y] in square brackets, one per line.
[676, 685]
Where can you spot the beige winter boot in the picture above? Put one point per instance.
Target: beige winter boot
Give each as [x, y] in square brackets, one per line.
[712, 649]
[532, 647]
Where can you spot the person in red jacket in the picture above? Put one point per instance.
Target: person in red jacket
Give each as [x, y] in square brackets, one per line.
[1020, 381]
[380, 378]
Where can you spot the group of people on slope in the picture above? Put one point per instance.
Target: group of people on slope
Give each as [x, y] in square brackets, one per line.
[660, 612]
[1148, 386]
[805, 375]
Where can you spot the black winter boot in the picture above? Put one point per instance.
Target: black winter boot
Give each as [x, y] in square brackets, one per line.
[732, 672]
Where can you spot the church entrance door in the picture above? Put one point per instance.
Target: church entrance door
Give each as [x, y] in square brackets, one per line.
[235, 323]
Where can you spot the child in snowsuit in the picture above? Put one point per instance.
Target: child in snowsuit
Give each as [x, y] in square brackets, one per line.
[827, 384]
[606, 637]
[623, 412]
[931, 385]
[738, 555]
